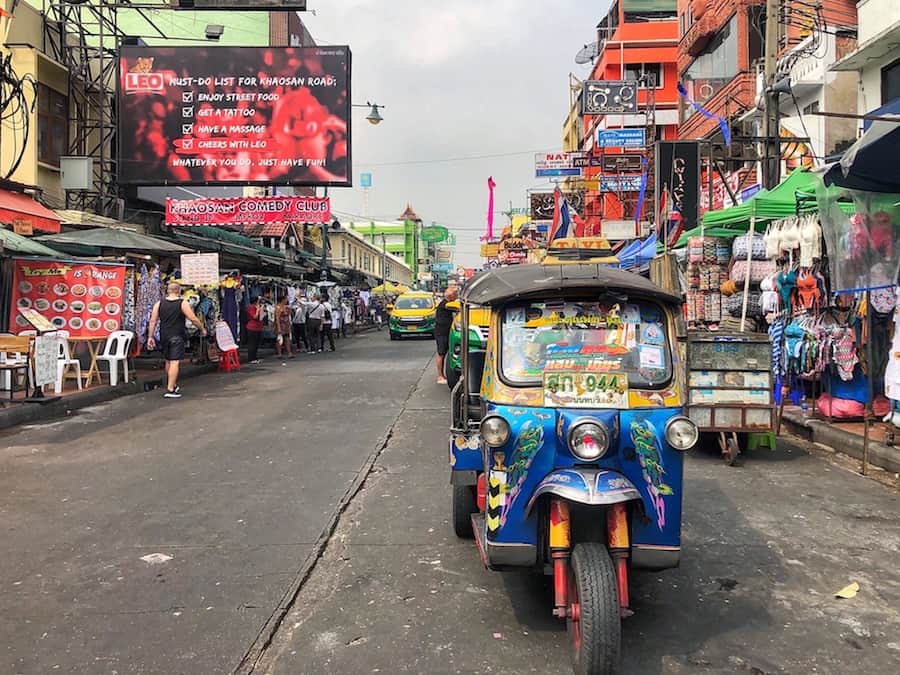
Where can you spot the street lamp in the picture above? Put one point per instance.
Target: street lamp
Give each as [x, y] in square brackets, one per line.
[374, 116]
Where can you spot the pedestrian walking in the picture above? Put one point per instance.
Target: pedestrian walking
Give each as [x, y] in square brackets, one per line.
[255, 313]
[283, 321]
[315, 318]
[346, 316]
[443, 319]
[298, 320]
[337, 319]
[170, 313]
[327, 326]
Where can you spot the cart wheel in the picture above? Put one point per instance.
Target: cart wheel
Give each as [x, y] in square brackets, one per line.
[464, 505]
[731, 451]
[593, 622]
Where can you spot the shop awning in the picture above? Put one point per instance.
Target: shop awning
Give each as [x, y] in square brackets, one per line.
[870, 164]
[16, 243]
[780, 202]
[17, 207]
[84, 219]
[109, 238]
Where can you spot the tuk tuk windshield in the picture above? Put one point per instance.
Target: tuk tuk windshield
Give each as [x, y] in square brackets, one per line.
[585, 337]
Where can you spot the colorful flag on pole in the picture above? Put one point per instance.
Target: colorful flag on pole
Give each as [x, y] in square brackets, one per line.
[723, 124]
[490, 210]
[565, 216]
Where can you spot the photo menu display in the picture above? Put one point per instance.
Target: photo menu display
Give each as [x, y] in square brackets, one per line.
[84, 299]
[229, 115]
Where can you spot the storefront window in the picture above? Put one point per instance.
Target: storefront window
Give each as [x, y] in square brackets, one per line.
[714, 68]
[651, 71]
[53, 125]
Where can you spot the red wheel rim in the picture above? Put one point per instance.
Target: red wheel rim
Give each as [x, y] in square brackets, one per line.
[573, 618]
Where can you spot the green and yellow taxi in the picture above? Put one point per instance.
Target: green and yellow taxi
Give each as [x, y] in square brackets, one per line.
[479, 320]
[412, 314]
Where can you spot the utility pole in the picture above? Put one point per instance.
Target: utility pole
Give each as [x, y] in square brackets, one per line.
[771, 164]
[383, 260]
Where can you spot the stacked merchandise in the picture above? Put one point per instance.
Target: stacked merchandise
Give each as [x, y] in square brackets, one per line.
[706, 270]
[749, 260]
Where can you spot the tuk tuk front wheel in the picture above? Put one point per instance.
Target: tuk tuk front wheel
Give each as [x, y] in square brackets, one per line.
[464, 504]
[593, 622]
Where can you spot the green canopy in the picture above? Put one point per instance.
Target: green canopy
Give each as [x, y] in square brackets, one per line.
[110, 238]
[16, 243]
[779, 202]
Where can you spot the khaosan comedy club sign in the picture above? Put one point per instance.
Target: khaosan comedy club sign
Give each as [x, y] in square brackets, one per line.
[245, 210]
[234, 115]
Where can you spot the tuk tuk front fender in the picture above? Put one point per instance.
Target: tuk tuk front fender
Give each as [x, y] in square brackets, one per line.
[594, 487]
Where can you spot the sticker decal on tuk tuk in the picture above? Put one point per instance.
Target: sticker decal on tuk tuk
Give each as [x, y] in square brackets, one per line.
[646, 446]
[585, 389]
[531, 437]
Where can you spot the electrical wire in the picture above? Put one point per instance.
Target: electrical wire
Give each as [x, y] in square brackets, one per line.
[15, 113]
[469, 158]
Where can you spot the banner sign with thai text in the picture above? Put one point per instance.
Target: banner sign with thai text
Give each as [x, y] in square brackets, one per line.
[248, 210]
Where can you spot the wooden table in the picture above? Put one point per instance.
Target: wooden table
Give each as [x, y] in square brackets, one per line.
[94, 345]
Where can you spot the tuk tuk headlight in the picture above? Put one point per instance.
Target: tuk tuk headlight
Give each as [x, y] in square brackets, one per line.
[589, 440]
[494, 430]
[681, 433]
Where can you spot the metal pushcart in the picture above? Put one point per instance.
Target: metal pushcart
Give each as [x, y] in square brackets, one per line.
[730, 387]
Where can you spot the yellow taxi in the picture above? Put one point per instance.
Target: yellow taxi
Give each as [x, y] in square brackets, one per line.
[412, 314]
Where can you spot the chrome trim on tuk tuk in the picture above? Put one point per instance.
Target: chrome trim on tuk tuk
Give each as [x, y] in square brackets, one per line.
[594, 487]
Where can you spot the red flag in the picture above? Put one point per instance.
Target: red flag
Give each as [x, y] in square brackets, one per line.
[556, 216]
[490, 212]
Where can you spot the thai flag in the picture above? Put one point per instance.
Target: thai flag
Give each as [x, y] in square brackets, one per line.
[669, 219]
[564, 216]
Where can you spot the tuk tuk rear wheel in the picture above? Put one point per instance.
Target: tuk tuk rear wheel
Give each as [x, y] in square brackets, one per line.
[464, 505]
[451, 374]
[593, 622]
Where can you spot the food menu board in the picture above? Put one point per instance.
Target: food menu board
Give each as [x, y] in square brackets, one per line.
[85, 299]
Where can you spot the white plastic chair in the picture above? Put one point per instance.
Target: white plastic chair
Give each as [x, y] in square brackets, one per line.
[115, 351]
[65, 361]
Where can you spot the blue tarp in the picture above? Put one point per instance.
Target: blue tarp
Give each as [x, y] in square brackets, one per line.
[638, 253]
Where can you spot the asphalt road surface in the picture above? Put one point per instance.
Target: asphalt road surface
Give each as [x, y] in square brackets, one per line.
[238, 481]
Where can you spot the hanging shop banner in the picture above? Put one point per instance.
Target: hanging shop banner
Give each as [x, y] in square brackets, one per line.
[678, 175]
[603, 97]
[247, 210]
[234, 116]
[489, 250]
[84, 299]
[620, 183]
[542, 203]
[200, 269]
[558, 164]
[737, 181]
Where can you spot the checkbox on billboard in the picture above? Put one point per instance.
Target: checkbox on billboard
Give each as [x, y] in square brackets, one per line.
[187, 128]
[187, 97]
[187, 144]
[188, 111]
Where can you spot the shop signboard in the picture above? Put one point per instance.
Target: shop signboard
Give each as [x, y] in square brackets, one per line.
[434, 233]
[23, 226]
[736, 181]
[630, 162]
[621, 138]
[443, 254]
[365, 180]
[234, 116]
[620, 183]
[616, 230]
[46, 357]
[604, 97]
[246, 210]
[200, 269]
[548, 164]
[489, 250]
[85, 299]
[441, 267]
[542, 203]
[678, 173]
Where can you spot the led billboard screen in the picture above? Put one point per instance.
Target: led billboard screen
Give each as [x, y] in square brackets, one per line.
[234, 115]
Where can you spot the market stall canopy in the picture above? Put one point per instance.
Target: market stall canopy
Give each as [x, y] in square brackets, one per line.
[389, 288]
[105, 238]
[16, 243]
[708, 232]
[775, 204]
[18, 207]
[871, 163]
[638, 253]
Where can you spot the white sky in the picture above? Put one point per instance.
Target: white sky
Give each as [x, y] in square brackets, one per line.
[457, 79]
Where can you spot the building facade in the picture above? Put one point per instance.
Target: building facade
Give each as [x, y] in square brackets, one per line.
[875, 63]
[636, 40]
[349, 249]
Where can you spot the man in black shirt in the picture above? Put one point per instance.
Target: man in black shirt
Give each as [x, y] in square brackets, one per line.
[171, 312]
[443, 319]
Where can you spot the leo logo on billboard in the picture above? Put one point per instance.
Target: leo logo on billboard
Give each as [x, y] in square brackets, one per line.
[141, 80]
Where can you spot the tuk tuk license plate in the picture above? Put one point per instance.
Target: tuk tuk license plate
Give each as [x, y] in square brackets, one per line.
[586, 390]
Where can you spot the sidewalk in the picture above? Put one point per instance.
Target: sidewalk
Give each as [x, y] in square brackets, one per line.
[845, 437]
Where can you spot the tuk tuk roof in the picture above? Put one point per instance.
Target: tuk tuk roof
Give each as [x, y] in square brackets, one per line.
[525, 281]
